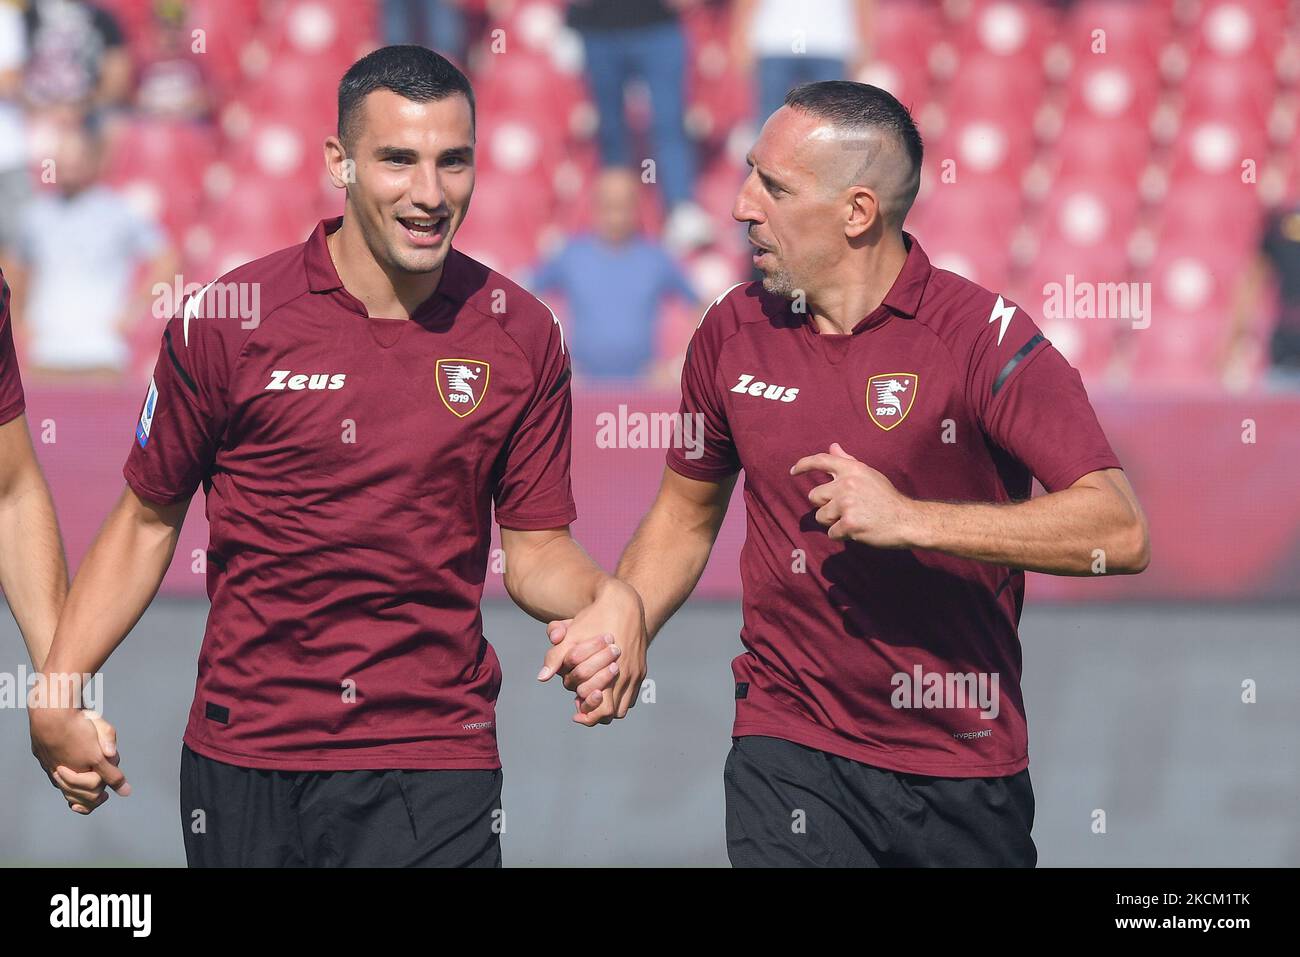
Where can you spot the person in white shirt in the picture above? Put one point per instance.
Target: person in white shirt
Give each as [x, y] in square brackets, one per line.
[80, 246]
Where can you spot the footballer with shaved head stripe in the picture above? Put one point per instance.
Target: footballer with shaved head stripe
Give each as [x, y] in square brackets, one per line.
[889, 417]
[353, 441]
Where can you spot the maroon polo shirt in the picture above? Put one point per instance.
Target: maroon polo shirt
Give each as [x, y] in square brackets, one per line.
[11, 383]
[351, 465]
[951, 392]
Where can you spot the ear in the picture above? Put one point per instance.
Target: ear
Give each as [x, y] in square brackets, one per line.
[341, 167]
[864, 211]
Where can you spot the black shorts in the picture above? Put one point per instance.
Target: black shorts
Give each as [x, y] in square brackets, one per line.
[793, 806]
[248, 817]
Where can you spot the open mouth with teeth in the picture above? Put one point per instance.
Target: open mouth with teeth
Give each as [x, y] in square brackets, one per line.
[424, 230]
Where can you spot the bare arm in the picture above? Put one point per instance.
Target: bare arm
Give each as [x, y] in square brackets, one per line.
[667, 554]
[1061, 533]
[33, 569]
[662, 563]
[115, 583]
[548, 574]
[1095, 526]
[551, 577]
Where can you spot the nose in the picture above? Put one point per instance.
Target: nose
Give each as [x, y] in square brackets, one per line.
[426, 187]
[745, 210]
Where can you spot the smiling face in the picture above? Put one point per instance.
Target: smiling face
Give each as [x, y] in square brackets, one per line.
[413, 177]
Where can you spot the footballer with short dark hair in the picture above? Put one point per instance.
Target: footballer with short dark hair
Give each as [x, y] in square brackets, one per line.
[889, 417]
[353, 443]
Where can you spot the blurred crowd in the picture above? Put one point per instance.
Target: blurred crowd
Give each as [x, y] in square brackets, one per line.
[1102, 146]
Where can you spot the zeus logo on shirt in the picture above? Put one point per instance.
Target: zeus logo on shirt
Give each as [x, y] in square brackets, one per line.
[282, 379]
[747, 386]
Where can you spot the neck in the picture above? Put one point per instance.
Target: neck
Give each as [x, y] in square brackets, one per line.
[858, 286]
[384, 292]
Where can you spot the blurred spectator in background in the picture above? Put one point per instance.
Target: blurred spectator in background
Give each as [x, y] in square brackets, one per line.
[624, 39]
[436, 24]
[77, 59]
[14, 185]
[80, 248]
[1279, 259]
[789, 42]
[170, 81]
[615, 281]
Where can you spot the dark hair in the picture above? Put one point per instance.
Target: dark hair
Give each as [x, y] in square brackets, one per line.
[414, 72]
[858, 107]
[855, 105]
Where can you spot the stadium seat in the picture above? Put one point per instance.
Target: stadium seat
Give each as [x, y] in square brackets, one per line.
[1129, 33]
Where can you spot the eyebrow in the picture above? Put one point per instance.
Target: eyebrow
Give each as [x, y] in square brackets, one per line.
[403, 152]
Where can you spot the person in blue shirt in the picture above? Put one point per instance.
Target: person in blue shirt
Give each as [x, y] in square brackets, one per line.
[614, 280]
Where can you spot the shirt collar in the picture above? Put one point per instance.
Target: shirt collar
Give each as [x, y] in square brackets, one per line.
[904, 296]
[456, 284]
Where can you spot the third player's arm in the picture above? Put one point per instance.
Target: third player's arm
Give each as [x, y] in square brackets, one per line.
[32, 567]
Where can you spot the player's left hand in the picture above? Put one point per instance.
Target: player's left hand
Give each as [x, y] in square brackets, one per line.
[858, 504]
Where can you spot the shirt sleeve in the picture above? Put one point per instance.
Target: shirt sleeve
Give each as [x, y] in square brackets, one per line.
[534, 489]
[1031, 402]
[703, 411]
[184, 414]
[12, 403]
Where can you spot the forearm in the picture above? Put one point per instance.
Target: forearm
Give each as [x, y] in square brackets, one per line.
[664, 561]
[1075, 531]
[114, 585]
[33, 569]
[555, 580]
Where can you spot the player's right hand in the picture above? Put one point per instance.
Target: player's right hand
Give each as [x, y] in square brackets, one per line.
[78, 751]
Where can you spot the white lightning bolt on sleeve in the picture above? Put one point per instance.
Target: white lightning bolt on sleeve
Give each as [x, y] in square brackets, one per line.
[1004, 312]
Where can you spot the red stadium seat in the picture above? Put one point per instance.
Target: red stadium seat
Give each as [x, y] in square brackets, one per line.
[1242, 92]
[1223, 221]
[1101, 150]
[1018, 32]
[1244, 30]
[1123, 31]
[333, 33]
[904, 30]
[228, 28]
[990, 86]
[293, 91]
[1191, 311]
[987, 148]
[1112, 89]
[968, 227]
[160, 165]
[1215, 149]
